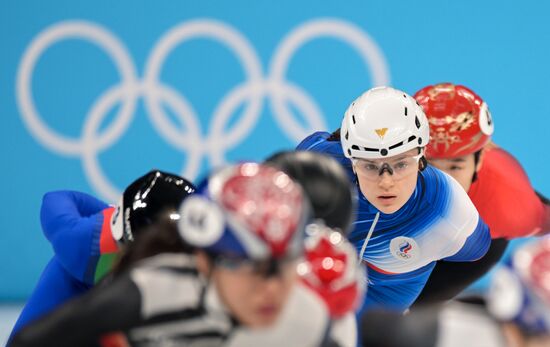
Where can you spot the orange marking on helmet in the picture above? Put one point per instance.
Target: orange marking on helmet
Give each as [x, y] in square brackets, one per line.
[381, 132]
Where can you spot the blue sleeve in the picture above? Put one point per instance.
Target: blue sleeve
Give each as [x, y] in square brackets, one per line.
[476, 245]
[317, 142]
[54, 287]
[313, 141]
[72, 222]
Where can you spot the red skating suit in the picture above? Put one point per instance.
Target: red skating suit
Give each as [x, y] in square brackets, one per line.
[505, 199]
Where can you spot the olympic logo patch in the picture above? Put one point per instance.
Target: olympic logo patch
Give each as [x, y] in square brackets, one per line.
[404, 248]
[219, 139]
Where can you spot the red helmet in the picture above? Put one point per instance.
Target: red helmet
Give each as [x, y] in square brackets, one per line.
[460, 122]
[332, 270]
[248, 210]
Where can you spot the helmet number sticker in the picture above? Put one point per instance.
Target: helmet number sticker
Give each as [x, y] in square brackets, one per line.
[201, 223]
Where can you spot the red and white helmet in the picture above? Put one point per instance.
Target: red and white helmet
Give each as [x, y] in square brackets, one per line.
[520, 290]
[249, 210]
[381, 123]
[460, 121]
[332, 270]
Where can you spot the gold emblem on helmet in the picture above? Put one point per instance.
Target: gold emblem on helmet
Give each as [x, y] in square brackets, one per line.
[458, 123]
[447, 88]
[381, 132]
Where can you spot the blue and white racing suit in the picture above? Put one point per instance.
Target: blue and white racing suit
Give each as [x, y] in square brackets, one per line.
[438, 222]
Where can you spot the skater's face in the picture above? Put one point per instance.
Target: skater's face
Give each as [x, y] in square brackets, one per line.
[253, 292]
[388, 183]
[461, 168]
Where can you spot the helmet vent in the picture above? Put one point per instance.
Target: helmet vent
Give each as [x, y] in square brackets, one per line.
[411, 138]
[406, 110]
[405, 96]
[347, 135]
[417, 122]
[364, 149]
[396, 145]
[353, 118]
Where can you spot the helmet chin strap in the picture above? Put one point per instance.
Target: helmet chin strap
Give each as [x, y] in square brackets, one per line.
[369, 235]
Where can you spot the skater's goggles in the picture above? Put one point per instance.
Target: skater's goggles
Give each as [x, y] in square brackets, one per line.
[262, 268]
[399, 166]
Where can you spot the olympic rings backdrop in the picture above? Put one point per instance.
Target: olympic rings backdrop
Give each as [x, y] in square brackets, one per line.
[94, 94]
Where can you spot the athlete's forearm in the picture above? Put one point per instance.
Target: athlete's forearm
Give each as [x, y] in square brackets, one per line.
[61, 209]
[72, 222]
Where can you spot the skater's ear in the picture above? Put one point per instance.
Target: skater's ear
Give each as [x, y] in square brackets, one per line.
[478, 158]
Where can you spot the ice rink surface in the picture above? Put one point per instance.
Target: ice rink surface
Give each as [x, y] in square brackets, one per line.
[8, 315]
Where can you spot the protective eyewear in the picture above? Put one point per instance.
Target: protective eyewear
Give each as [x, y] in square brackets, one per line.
[398, 168]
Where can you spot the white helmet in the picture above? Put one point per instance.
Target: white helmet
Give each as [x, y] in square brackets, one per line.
[383, 122]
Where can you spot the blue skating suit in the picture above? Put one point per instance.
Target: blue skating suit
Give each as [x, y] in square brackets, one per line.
[438, 222]
[77, 226]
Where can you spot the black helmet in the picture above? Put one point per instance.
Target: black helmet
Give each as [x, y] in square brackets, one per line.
[144, 198]
[331, 194]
